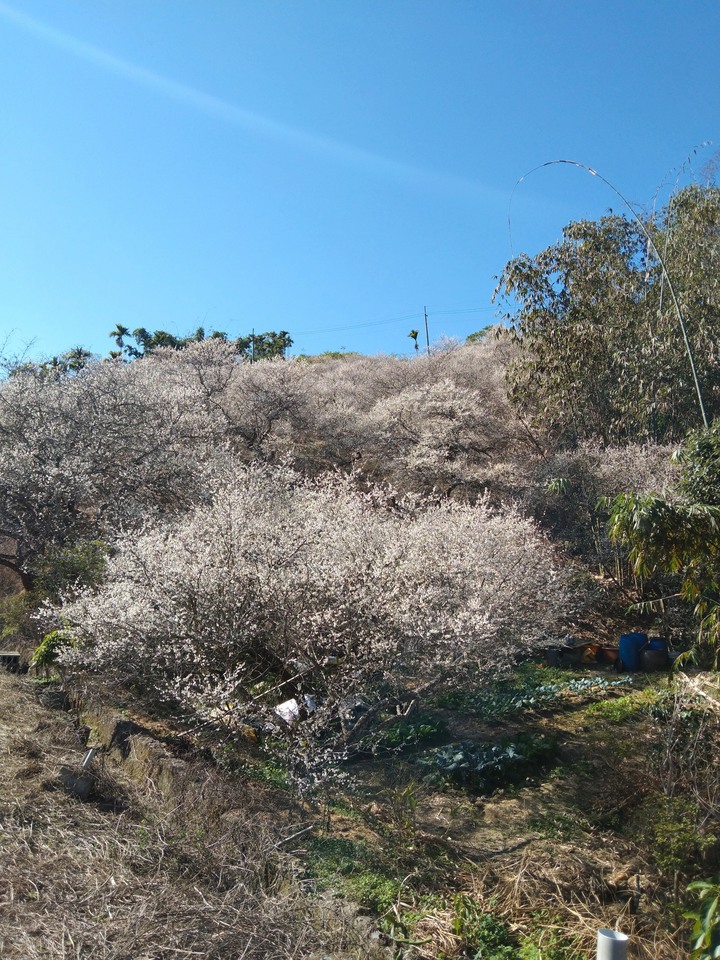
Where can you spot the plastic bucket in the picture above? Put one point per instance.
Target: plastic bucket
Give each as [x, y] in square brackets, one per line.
[612, 945]
[630, 646]
[553, 657]
[656, 655]
[653, 659]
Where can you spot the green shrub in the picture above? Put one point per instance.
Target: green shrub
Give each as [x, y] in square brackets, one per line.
[14, 614]
[483, 936]
[670, 828]
[80, 564]
[53, 643]
[706, 927]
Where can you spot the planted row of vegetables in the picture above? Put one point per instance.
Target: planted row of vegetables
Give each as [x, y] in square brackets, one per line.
[513, 697]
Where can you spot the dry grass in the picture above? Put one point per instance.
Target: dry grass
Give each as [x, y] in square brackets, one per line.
[570, 896]
[198, 878]
[71, 887]
[139, 873]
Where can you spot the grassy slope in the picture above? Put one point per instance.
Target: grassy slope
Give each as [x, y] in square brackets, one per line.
[135, 873]
[527, 867]
[548, 857]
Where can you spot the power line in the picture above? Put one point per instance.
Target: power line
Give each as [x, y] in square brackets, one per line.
[410, 316]
[461, 310]
[357, 326]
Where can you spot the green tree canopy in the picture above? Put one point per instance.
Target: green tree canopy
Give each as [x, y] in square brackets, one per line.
[255, 346]
[263, 346]
[64, 365]
[602, 354]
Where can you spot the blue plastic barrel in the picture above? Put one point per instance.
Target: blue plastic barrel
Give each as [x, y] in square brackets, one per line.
[630, 646]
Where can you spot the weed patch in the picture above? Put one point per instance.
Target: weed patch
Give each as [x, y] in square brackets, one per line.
[669, 828]
[354, 869]
[560, 826]
[480, 934]
[639, 703]
[547, 942]
[408, 734]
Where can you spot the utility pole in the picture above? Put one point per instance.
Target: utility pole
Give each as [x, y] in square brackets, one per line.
[252, 346]
[427, 335]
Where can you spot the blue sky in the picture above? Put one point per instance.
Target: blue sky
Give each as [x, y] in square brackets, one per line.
[327, 167]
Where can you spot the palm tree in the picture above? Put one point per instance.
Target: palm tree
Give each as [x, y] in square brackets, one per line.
[119, 334]
[76, 359]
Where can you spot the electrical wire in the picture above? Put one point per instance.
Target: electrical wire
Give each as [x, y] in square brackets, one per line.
[417, 316]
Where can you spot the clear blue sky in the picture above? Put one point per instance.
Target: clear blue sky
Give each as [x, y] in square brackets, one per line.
[327, 167]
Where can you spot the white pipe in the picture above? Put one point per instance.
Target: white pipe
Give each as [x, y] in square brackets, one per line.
[612, 945]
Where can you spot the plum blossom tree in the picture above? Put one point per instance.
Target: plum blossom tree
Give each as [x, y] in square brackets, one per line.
[439, 435]
[81, 454]
[440, 421]
[85, 451]
[312, 587]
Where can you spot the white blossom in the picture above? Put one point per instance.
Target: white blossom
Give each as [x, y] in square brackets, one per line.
[277, 575]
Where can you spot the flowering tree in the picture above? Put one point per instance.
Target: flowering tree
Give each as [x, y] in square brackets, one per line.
[439, 435]
[280, 586]
[87, 449]
[82, 454]
[440, 421]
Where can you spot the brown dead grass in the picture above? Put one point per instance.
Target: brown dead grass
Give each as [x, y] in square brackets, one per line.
[579, 892]
[137, 874]
[543, 858]
[197, 878]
